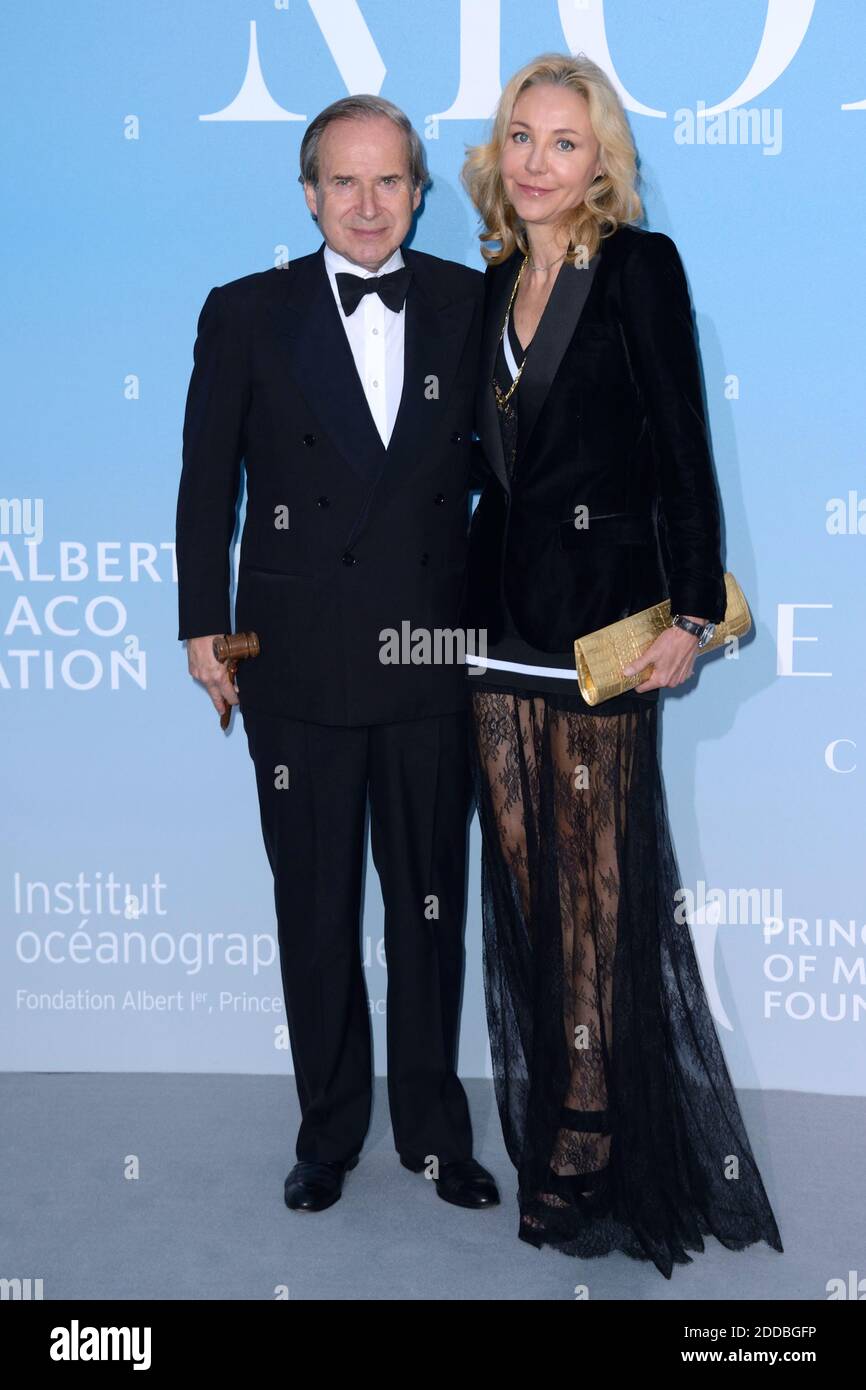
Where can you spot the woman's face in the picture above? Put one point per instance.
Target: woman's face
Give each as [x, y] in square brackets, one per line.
[550, 155]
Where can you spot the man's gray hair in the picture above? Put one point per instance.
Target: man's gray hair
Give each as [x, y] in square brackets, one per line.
[362, 108]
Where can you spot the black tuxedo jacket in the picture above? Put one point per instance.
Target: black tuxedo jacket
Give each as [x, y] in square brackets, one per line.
[343, 538]
[611, 419]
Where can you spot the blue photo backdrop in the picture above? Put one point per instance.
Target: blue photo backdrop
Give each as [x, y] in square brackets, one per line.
[152, 152]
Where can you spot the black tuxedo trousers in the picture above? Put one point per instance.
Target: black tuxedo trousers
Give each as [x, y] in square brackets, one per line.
[314, 833]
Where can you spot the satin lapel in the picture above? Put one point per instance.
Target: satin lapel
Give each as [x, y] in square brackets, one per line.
[486, 414]
[307, 324]
[434, 334]
[547, 349]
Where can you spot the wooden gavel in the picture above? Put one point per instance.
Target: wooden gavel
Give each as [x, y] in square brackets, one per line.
[231, 649]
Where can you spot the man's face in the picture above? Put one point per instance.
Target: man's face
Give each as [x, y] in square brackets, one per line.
[364, 199]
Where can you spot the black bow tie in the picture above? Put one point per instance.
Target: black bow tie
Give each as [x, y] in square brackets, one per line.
[391, 288]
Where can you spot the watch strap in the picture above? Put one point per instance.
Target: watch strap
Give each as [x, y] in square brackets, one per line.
[697, 629]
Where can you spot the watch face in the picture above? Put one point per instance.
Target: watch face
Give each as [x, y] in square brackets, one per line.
[707, 634]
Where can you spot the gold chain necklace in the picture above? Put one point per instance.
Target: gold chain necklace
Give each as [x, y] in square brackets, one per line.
[503, 397]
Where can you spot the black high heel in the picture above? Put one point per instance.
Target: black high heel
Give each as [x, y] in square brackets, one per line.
[588, 1190]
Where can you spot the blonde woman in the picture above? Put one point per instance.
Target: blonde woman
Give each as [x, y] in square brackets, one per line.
[615, 1100]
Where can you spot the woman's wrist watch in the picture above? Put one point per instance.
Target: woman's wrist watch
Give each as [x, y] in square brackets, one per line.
[703, 631]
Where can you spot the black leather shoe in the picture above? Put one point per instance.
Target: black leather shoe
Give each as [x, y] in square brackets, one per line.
[315, 1186]
[464, 1182]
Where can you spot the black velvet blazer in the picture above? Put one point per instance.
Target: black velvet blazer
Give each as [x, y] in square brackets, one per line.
[613, 505]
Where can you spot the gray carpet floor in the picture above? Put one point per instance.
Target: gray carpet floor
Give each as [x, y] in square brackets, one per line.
[141, 1186]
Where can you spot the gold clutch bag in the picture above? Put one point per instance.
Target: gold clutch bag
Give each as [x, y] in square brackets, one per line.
[601, 655]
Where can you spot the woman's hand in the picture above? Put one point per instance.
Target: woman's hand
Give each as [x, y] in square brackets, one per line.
[672, 655]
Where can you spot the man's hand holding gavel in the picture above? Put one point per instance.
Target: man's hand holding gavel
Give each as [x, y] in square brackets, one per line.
[204, 667]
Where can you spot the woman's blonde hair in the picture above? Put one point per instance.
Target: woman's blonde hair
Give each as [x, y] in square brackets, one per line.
[610, 200]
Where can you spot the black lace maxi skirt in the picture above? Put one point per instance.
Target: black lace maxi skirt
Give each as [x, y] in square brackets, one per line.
[616, 1104]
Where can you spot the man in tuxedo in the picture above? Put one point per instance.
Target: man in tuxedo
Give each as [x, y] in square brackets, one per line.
[345, 382]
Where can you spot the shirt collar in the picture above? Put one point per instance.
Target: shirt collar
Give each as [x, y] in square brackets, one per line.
[335, 262]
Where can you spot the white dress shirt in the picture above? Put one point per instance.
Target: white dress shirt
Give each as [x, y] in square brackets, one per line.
[376, 337]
